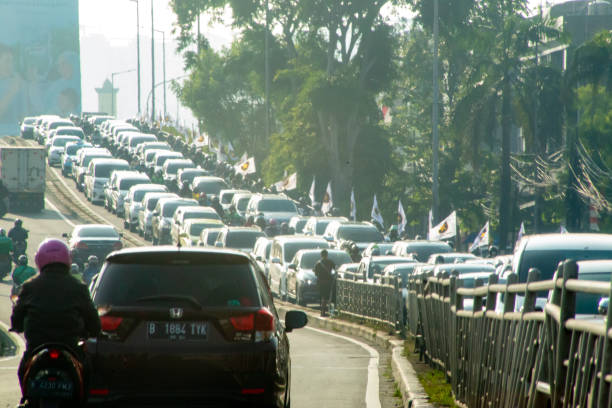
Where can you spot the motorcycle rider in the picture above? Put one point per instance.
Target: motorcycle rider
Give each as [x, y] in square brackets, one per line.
[43, 319]
[22, 271]
[92, 269]
[232, 217]
[6, 248]
[75, 272]
[19, 236]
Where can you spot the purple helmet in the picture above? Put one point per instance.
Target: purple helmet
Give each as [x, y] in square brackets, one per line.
[52, 251]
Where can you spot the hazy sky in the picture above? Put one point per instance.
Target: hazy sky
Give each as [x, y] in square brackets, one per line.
[108, 44]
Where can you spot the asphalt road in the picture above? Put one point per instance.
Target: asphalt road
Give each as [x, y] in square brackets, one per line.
[328, 370]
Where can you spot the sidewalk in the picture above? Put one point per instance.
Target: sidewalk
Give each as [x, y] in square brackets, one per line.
[413, 394]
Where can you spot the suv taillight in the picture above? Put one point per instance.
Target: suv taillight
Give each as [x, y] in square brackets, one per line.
[117, 246]
[260, 323]
[81, 245]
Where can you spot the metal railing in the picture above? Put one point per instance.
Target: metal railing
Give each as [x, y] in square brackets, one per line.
[496, 356]
[379, 302]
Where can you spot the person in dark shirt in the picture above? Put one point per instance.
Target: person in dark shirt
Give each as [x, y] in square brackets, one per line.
[325, 279]
[53, 307]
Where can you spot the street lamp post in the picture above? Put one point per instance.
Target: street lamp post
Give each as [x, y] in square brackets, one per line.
[434, 119]
[113, 88]
[164, 64]
[152, 64]
[161, 83]
[138, 49]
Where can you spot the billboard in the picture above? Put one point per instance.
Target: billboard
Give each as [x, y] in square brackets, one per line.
[39, 60]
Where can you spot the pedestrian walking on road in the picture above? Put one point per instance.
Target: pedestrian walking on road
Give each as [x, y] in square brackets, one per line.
[323, 269]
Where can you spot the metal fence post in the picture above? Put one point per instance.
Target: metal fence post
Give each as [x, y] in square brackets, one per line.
[568, 311]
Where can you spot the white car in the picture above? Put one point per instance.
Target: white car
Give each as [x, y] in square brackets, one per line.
[98, 174]
[145, 215]
[132, 204]
[57, 146]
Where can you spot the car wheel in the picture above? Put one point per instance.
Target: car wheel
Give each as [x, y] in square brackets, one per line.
[298, 296]
[283, 296]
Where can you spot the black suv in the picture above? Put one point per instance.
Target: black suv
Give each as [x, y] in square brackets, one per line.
[189, 326]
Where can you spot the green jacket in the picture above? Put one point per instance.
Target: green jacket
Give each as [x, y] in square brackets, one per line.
[6, 245]
[22, 273]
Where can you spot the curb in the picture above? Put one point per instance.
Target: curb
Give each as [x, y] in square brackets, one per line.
[413, 394]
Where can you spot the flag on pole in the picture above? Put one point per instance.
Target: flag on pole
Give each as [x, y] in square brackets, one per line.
[446, 229]
[311, 194]
[243, 158]
[429, 224]
[401, 219]
[328, 202]
[482, 239]
[246, 167]
[287, 184]
[521, 232]
[375, 214]
[353, 206]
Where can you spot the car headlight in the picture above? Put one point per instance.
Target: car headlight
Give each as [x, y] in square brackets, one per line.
[308, 282]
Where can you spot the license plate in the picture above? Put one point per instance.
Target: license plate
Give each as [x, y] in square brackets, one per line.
[177, 330]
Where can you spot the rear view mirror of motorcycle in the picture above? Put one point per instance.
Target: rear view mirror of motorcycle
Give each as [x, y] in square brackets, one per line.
[65, 235]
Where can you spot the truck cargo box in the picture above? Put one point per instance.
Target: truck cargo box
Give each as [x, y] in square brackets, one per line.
[22, 170]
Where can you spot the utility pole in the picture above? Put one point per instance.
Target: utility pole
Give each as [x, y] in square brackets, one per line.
[267, 73]
[435, 137]
[152, 65]
[164, 64]
[138, 51]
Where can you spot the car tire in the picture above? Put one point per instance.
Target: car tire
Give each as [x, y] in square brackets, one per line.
[298, 296]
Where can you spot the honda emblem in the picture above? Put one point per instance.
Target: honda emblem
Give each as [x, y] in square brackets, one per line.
[176, 313]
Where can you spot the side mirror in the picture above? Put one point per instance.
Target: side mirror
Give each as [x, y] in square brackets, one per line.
[219, 244]
[602, 307]
[259, 258]
[295, 319]
[65, 235]
[275, 260]
[292, 266]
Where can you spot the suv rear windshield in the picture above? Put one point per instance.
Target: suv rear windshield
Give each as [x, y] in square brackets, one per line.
[105, 170]
[242, 239]
[292, 247]
[170, 208]
[276, 206]
[173, 168]
[547, 260]
[212, 282]
[210, 187]
[141, 139]
[127, 183]
[425, 250]
[359, 234]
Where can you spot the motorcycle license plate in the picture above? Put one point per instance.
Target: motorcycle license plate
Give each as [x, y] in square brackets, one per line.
[51, 387]
[177, 330]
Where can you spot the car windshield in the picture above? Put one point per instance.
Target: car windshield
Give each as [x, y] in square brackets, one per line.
[104, 170]
[273, 205]
[61, 141]
[211, 237]
[188, 176]
[242, 239]
[97, 232]
[55, 125]
[292, 247]
[196, 229]
[209, 215]
[173, 168]
[587, 303]
[359, 233]
[242, 203]
[546, 261]
[210, 282]
[210, 186]
[88, 159]
[70, 132]
[422, 252]
[141, 139]
[171, 207]
[227, 198]
[309, 259]
[125, 184]
[162, 159]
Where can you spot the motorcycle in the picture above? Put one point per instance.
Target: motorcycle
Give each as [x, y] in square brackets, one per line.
[54, 378]
[6, 265]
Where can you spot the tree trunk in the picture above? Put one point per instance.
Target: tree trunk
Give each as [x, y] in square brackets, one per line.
[505, 182]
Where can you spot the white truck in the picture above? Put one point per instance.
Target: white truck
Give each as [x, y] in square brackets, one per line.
[22, 172]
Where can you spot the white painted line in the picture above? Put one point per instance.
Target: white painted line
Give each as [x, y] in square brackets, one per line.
[76, 197]
[21, 346]
[58, 212]
[372, 396]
